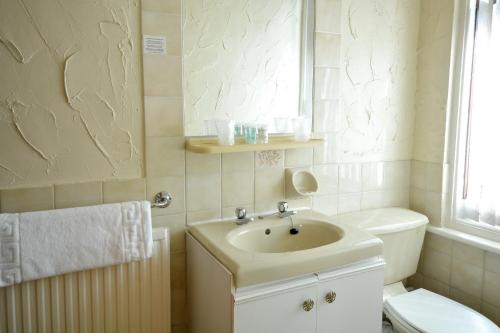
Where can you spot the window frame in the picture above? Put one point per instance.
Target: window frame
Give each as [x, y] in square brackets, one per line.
[457, 122]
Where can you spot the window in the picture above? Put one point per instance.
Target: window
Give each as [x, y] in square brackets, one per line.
[476, 188]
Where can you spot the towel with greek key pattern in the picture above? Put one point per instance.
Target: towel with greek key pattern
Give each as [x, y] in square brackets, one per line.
[35, 245]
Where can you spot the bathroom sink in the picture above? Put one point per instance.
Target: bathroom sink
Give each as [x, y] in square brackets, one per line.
[265, 250]
[271, 238]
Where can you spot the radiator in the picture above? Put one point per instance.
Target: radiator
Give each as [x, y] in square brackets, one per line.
[133, 297]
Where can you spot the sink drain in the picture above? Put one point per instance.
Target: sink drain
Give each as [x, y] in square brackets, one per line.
[268, 231]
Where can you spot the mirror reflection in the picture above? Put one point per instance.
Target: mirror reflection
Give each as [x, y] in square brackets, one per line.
[241, 62]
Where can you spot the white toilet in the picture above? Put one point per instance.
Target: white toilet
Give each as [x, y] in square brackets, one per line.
[403, 231]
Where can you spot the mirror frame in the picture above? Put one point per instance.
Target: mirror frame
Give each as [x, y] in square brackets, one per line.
[307, 62]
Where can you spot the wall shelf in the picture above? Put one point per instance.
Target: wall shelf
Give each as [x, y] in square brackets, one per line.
[210, 146]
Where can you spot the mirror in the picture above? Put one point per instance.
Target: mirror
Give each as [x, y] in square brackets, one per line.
[247, 61]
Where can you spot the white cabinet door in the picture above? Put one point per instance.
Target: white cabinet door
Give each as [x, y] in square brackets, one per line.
[351, 303]
[277, 313]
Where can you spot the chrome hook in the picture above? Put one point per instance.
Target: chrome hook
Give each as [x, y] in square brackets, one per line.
[162, 199]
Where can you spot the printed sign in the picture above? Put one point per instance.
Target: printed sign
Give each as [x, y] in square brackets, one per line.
[155, 44]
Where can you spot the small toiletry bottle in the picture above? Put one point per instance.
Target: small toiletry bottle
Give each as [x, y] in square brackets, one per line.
[238, 129]
[262, 133]
[250, 131]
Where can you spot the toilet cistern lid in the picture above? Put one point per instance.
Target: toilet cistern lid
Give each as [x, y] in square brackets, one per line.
[433, 313]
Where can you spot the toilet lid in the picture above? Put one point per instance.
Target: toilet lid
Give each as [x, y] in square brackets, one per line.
[433, 313]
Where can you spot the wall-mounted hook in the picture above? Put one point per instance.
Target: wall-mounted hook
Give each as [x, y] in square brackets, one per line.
[162, 199]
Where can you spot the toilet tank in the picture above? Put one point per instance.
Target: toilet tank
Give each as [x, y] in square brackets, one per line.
[402, 232]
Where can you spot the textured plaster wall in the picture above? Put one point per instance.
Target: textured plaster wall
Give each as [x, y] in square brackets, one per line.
[70, 91]
[377, 80]
[241, 60]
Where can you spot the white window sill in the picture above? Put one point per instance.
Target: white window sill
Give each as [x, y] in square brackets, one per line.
[482, 243]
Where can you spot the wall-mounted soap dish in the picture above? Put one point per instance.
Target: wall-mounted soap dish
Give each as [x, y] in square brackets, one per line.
[300, 183]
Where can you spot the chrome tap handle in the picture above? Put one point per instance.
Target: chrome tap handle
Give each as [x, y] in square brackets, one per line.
[282, 206]
[241, 213]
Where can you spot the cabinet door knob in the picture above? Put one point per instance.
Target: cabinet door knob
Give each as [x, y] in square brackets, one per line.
[330, 297]
[308, 305]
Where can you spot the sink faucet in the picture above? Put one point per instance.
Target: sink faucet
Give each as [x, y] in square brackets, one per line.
[282, 212]
[241, 216]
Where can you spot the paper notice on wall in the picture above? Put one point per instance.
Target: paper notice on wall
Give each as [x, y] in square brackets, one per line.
[155, 44]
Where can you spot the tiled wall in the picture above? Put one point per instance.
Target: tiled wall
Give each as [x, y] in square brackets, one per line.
[464, 273]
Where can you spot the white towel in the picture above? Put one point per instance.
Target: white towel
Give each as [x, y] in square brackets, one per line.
[40, 244]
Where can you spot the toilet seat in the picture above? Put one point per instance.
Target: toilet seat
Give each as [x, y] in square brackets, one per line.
[425, 311]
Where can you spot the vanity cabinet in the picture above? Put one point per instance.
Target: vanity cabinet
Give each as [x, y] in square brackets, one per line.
[347, 299]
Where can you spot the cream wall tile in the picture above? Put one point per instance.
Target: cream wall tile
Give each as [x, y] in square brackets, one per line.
[491, 311]
[417, 200]
[237, 188]
[350, 178]
[466, 277]
[270, 159]
[175, 185]
[176, 227]
[385, 198]
[418, 174]
[203, 216]
[492, 262]
[203, 192]
[327, 116]
[203, 182]
[164, 24]
[269, 185]
[372, 176]
[326, 83]
[27, 200]
[162, 75]
[469, 254]
[238, 162]
[437, 265]
[397, 174]
[434, 177]
[416, 280]
[326, 50]
[328, 15]
[491, 291]
[202, 164]
[471, 301]
[436, 286]
[124, 190]
[76, 195]
[163, 116]
[350, 202]
[329, 151]
[438, 243]
[328, 178]
[326, 204]
[433, 204]
[300, 203]
[267, 207]
[169, 6]
[165, 157]
[396, 198]
[298, 157]
[372, 199]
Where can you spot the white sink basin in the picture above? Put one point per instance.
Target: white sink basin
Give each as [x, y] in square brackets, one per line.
[267, 238]
[264, 250]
